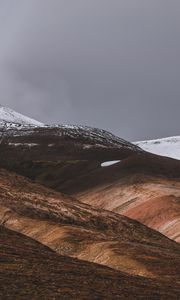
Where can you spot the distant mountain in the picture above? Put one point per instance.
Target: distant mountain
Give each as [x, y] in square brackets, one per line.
[169, 146]
[10, 116]
[61, 142]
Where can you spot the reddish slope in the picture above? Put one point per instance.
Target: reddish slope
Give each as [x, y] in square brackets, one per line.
[75, 229]
[161, 213]
[132, 183]
[153, 201]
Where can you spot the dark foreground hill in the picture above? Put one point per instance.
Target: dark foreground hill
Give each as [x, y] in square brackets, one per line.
[29, 270]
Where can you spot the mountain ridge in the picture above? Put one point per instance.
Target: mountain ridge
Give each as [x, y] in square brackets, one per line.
[168, 146]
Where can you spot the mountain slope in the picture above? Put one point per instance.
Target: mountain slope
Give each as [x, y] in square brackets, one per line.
[135, 181]
[169, 146]
[8, 115]
[75, 229]
[69, 158]
[159, 212]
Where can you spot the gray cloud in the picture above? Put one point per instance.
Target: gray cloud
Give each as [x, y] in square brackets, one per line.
[113, 64]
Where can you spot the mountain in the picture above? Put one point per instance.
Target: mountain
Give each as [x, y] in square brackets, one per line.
[169, 146]
[8, 115]
[68, 159]
[55, 143]
[166, 146]
[64, 206]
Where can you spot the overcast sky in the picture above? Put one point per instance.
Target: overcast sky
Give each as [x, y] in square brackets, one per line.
[113, 64]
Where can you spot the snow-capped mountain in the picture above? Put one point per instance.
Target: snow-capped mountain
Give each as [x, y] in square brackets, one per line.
[60, 141]
[169, 146]
[8, 115]
[89, 138]
[12, 121]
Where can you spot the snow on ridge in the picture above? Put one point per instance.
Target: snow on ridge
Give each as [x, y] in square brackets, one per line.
[8, 115]
[14, 121]
[169, 146]
[93, 133]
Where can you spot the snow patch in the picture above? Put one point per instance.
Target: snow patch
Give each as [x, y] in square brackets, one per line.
[109, 163]
[24, 144]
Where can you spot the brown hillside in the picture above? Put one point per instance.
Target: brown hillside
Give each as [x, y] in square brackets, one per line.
[78, 230]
